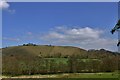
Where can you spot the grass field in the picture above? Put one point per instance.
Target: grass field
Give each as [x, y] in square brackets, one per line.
[69, 75]
[65, 60]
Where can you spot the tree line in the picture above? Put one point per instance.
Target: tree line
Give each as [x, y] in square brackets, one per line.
[73, 64]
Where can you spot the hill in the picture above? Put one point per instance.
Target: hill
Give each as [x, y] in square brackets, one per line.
[44, 59]
[42, 50]
[53, 51]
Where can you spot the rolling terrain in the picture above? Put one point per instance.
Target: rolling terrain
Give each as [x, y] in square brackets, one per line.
[29, 59]
[54, 51]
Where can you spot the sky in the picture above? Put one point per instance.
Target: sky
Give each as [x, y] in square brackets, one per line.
[82, 24]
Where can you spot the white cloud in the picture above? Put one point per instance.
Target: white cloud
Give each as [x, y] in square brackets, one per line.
[12, 11]
[86, 37]
[11, 39]
[4, 4]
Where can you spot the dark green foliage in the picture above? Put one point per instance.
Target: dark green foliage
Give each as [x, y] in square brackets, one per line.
[29, 44]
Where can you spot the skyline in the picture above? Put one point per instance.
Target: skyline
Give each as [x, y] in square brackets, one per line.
[85, 25]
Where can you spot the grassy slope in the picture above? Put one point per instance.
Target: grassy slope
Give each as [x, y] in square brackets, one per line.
[26, 53]
[44, 50]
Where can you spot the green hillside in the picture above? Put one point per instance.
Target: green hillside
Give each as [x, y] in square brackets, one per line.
[42, 50]
[47, 59]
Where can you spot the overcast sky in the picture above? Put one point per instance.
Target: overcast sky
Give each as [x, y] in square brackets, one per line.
[84, 24]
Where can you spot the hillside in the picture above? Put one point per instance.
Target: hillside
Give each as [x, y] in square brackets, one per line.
[43, 50]
[44, 59]
[54, 51]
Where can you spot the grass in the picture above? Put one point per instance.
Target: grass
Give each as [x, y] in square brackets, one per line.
[70, 75]
[65, 60]
[57, 60]
[88, 75]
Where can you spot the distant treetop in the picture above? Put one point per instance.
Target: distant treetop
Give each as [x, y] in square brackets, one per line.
[30, 44]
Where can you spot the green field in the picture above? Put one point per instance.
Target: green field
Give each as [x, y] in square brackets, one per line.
[64, 60]
[70, 75]
[57, 60]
